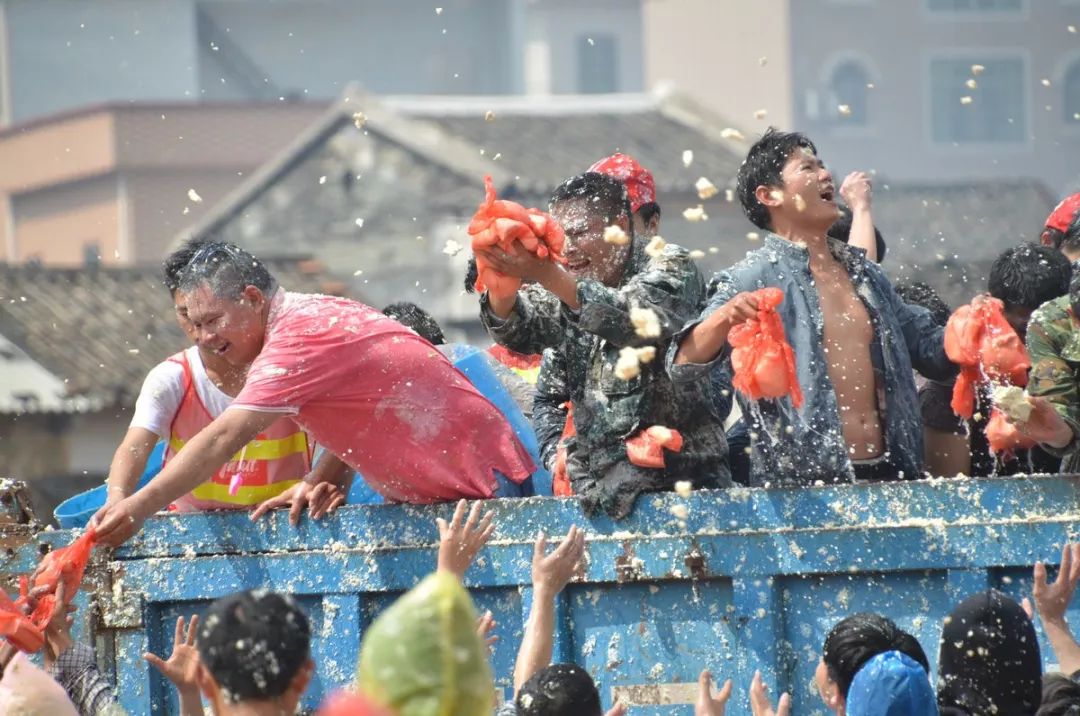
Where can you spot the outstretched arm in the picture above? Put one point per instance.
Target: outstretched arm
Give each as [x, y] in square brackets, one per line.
[550, 574]
[1052, 600]
[196, 463]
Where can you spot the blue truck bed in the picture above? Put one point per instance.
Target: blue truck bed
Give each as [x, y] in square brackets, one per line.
[734, 580]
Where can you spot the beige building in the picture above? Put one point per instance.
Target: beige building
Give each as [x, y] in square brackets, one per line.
[733, 55]
[113, 184]
[914, 109]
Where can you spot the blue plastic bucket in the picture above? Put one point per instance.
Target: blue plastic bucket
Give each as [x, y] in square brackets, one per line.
[75, 512]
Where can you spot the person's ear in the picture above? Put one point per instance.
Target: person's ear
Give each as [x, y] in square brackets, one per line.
[769, 196]
[833, 700]
[300, 682]
[254, 296]
[623, 222]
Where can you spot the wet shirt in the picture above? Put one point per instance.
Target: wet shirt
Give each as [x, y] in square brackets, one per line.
[607, 409]
[904, 337]
[1053, 344]
[382, 399]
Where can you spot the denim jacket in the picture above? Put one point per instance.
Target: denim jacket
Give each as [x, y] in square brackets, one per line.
[804, 446]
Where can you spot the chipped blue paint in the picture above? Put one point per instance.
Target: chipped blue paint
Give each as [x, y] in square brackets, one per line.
[752, 579]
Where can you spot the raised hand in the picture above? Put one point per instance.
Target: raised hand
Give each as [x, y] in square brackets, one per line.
[459, 543]
[706, 705]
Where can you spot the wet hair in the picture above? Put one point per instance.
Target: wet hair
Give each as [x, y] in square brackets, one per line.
[227, 269]
[919, 293]
[1029, 275]
[604, 194]
[172, 268]
[1070, 240]
[764, 166]
[412, 316]
[859, 638]
[471, 274]
[647, 211]
[841, 231]
[1060, 696]
[253, 643]
[559, 690]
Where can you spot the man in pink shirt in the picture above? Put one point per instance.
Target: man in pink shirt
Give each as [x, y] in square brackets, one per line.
[363, 386]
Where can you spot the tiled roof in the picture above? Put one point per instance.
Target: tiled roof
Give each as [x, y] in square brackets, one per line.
[98, 330]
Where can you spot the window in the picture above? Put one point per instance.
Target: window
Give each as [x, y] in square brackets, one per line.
[975, 5]
[848, 87]
[1071, 94]
[598, 64]
[994, 111]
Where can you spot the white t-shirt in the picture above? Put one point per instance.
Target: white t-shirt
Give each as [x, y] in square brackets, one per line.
[163, 391]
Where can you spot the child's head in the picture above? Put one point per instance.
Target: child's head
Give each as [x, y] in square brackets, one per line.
[254, 646]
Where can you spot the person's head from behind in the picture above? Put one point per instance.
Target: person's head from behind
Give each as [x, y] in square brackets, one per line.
[228, 295]
[850, 645]
[1060, 696]
[640, 189]
[254, 648]
[891, 684]
[784, 187]
[920, 293]
[412, 316]
[559, 690]
[1058, 222]
[841, 231]
[1070, 241]
[989, 660]
[1025, 277]
[585, 205]
[172, 270]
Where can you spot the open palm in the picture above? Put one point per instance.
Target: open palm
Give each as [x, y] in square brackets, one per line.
[183, 663]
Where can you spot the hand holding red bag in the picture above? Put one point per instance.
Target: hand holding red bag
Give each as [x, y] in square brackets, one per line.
[761, 358]
[980, 340]
[498, 222]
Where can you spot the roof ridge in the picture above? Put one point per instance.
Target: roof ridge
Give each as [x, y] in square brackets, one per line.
[426, 139]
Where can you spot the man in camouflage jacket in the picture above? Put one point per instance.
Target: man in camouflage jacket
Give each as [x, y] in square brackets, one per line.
[583, 313]
[1053, 343]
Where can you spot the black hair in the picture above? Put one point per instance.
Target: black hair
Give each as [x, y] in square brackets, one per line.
[227, 269]
[1070, 240]
[764, 166]
[471, 274]
[1029, 275]
[647, 211]
[919, 293]
[253, 643]
[172, 268]
[841, 231]
[859, 638]
[559, 690]
[604, 194]
[1060, 696]
[412, 316]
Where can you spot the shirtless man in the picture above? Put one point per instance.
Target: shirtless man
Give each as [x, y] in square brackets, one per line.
[855, 341]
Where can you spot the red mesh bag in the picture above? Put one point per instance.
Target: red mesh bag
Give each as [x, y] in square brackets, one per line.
[560, 478]
[67, 563]
[1003, 437]
[646, 449]
[18, 628]
[985, 346]
[761, 358]
[498, 222]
